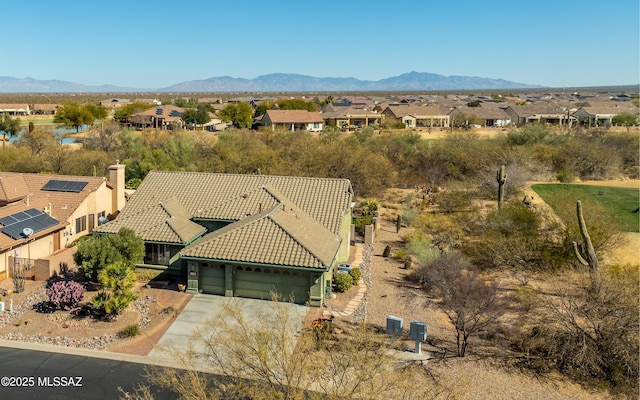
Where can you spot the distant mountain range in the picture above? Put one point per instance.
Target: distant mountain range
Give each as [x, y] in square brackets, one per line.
[275, 83]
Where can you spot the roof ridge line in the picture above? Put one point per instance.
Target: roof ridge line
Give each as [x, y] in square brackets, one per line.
[296, 239]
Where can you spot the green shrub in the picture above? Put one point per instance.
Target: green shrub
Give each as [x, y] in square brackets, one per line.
[343, 282]
[132, 330]
[454, 200]
[361, 222]
[117, 281]
[355, 274]
[400, 254]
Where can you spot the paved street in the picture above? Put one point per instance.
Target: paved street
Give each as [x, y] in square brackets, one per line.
[37, 371]
[48, 373]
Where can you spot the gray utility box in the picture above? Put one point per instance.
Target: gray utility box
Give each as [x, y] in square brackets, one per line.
[394, 325]
[418, 330]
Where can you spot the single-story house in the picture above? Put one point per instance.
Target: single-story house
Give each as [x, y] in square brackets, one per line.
[41, 215]
[44, 109]
[161, 117]
[601, 113]
[242, 235]
[417, 116]
[15, 109]
[542, 112]
[350, 117]
[293, 120]
[489, 115]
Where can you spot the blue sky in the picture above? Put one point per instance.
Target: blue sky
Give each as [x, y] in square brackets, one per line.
[154, 44]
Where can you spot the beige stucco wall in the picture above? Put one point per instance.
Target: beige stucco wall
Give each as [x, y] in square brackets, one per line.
[45, 267]
[96, 202]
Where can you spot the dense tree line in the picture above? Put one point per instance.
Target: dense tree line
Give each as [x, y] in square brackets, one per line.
[372, 161]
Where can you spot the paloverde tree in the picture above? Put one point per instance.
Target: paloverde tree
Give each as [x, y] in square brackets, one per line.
[73, 115]
[625, 119]
[98, 112]
[196, 116]
[296, 104]
[239, 114]
[9, 126]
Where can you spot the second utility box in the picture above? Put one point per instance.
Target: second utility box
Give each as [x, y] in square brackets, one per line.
[394, 326]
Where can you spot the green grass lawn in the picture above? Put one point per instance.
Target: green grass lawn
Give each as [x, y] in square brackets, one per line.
[619, 202]
[36, 121]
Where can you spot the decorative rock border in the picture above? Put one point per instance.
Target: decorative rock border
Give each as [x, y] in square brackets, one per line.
[95, 343]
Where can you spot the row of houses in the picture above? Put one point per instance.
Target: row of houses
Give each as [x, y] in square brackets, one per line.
[407, 114]
[430, 111]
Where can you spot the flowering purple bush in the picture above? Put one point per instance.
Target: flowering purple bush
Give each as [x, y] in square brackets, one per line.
[65, 294]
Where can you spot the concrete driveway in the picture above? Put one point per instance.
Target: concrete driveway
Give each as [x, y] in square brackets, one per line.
[203, 307]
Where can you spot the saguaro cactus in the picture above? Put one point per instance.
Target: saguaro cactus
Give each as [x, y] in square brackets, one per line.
[501, 177]
[585, 253]
[398, 223]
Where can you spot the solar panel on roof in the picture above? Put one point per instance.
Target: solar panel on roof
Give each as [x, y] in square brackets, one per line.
[55, 185]
[174, 113]
[158, 111]
[14, 224]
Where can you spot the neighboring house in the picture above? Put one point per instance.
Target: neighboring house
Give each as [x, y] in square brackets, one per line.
[242, 235]
[601, 113]
[542, 112]
[360, 102]
[350, 117]
[44, 109]
[293, 120]
[621, 97]
[489, 115]
[215, 123]
[161, 117]
[155, 102]
[112, 104]
[40, 215]
[210, 100]
[15, 109]
[417, 116]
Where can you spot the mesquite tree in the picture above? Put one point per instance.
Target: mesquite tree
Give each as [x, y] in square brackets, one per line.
[501, 177]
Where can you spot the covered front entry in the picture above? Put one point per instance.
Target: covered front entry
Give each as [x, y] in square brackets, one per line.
[260, 283]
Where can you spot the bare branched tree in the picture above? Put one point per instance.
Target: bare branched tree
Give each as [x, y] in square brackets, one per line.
[266, 359]
[471, 303]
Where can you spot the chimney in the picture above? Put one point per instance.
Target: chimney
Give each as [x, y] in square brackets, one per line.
[116, 177]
